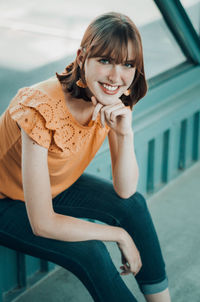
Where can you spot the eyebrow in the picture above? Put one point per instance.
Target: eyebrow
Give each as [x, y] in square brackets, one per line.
[111, 59]
[130, 61]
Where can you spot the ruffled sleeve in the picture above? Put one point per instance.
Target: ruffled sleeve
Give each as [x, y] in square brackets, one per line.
[48, 121]
[32, 111]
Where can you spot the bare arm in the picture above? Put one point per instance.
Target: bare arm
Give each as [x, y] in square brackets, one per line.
[124, 164]
[38, 199]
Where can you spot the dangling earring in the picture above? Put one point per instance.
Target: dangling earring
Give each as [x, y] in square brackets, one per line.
[80, 83]
[127, 92]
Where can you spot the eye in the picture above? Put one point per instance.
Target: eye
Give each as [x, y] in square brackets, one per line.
[129, 65]
[104, 61]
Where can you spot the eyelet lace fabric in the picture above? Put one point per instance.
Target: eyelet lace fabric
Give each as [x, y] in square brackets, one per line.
[47, 121]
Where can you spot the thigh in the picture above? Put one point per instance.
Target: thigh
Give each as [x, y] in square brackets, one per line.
[91, 197]
[95, 198]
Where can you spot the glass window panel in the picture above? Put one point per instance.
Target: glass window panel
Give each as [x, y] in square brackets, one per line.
[37, 32]
[192, 8]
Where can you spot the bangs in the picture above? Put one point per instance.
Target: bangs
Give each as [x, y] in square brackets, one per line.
[112, 36]
[114, 45]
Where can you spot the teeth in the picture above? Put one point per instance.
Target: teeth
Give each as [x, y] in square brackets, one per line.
[112, 88]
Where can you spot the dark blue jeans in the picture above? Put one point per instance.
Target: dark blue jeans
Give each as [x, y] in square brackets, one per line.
[95, 198]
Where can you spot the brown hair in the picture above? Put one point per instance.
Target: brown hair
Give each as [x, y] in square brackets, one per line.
[108, 35]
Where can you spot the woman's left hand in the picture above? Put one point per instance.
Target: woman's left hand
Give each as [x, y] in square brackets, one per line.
[125, 267]
[117, 116]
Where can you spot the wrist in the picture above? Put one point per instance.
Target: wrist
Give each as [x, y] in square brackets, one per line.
[125, 138]
[122, 235]
[128, 134]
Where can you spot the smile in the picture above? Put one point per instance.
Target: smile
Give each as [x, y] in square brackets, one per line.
[109, 89]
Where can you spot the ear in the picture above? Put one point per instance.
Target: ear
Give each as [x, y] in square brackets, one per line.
[79, 57]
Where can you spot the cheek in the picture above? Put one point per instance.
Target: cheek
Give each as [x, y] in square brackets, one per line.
[99, 72]
[130, 77]
[95, 74]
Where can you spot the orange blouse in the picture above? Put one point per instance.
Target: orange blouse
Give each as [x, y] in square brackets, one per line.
[42, 112]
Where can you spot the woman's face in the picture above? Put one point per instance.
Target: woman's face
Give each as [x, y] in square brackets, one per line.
[106, 80]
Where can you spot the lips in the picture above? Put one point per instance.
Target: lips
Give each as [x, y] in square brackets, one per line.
[109, 89]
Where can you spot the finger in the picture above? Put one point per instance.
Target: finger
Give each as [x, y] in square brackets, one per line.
[109, 110]
[96, 111]
[94, 101]
[114, 114]
[102, 118]
[139, 267]
[136, 268]
[126, 273]
[125, 267]
[104, 111]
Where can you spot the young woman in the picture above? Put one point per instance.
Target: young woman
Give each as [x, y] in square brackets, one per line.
[49, 134]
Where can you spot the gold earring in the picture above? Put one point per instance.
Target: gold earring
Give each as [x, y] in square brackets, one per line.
[80, 83]
[127, 92]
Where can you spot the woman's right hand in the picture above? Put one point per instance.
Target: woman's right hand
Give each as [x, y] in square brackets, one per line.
[129, 254]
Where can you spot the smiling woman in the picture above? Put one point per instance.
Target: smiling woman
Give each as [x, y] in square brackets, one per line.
[50, 132]
[104, 74]
[115, 38]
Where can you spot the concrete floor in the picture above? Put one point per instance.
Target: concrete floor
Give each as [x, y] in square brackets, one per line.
[175, 211]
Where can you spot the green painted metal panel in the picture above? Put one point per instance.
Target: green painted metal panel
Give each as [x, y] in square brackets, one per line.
[97, 168]
[189, 143]
[141, 155]
[165, 157]
[8, 272]
[13, 273]
[44, 265]
[32, 265]
[196, 137]
[21, 270]
[182, 145]
[150, 166]
[158, 162]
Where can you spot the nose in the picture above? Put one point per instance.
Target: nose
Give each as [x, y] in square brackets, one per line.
[114, 74]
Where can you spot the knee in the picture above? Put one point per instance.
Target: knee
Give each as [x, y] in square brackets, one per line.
[139, 200]
[95, 258]
[135, 205]
[94, 248]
